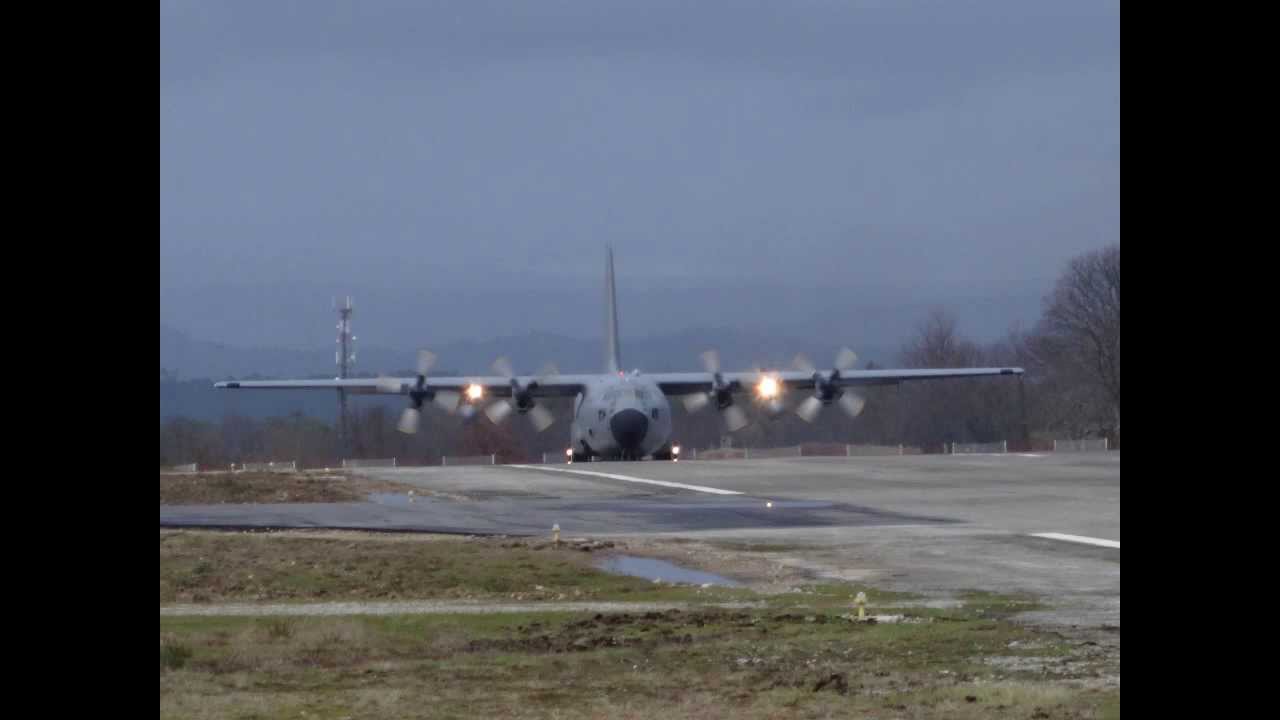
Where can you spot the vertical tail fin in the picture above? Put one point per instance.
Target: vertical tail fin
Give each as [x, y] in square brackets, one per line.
[612, 350]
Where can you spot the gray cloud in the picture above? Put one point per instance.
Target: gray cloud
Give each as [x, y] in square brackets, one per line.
[823, 154]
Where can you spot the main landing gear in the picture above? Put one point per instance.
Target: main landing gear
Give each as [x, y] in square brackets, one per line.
[670, 452]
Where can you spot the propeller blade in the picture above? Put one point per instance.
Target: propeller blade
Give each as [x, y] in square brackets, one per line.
[426, 360]
[447, 399]
[801, 362]
[502, 366]
[408, 421]
[852, 403]
[711, 361]
[541, 418]
[388, 385]
[498, 411]
[694, 403]
[775, 407]
[734, 418]
[846, 359]
[809, 409]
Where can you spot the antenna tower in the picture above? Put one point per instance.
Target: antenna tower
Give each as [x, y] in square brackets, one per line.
[345, 356]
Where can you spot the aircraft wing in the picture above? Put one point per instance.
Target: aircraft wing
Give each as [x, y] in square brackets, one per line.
[687, 383]
[493, 385]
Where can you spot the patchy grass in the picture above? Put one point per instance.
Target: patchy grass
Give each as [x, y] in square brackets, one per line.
[830, 596]
[794, 656]
[763, 547]
[989, 605]
[210, 566]
[708, 663]
[269, 487]
[173, 655]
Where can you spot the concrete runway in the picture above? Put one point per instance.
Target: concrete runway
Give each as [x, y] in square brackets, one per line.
[930, 523]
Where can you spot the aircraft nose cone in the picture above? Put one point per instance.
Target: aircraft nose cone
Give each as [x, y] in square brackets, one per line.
[629, 427]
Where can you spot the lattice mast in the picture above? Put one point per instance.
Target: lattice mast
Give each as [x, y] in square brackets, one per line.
[345, 356]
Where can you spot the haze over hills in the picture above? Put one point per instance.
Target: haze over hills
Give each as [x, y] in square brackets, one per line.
[184, 357]
[296, 314]
[189, 365]
[189, 362]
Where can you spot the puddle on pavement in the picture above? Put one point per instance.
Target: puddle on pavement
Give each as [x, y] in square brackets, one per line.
[652, 569]
[397, 499]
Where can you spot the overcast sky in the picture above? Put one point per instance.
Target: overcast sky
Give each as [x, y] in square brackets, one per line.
[459, 166]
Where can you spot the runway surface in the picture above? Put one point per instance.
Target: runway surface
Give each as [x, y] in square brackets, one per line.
[1042, 523]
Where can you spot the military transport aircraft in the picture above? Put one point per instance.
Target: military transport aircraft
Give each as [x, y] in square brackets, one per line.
[619, 415]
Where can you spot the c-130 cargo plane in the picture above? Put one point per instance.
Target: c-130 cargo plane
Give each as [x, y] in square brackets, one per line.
[619, 415]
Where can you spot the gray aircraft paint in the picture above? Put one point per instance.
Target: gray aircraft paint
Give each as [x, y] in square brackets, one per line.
[603, 399]
[617, 402]
[612, 348]
[617, 391]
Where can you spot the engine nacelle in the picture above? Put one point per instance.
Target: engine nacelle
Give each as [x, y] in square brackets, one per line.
[521, 397]
[721, 391]
[825, 388]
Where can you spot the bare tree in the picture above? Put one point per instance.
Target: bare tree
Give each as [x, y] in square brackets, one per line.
[1081, 326]
[938, 413]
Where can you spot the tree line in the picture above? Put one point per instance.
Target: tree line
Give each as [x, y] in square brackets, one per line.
[1071, 389]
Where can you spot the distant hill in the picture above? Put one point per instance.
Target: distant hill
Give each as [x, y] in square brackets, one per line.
[189, 366]
[182, 356]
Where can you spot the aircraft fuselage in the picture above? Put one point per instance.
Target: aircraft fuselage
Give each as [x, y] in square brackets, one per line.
[624, 415]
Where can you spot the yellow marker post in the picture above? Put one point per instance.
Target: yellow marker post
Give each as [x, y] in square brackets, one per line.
[861, 601]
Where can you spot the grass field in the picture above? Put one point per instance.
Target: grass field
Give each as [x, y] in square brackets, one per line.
[268, 487]
[704, 663]
[208, 566]
[794, 656]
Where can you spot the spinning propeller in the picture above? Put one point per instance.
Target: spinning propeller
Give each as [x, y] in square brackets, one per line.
[734, 418]
[827, 388]
[522, 400]
[409, 419]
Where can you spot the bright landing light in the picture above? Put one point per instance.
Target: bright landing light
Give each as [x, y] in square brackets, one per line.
[474, 392]
[767, 388]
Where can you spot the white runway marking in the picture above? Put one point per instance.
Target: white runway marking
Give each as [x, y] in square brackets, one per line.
[1080, 539]
[627, 478]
